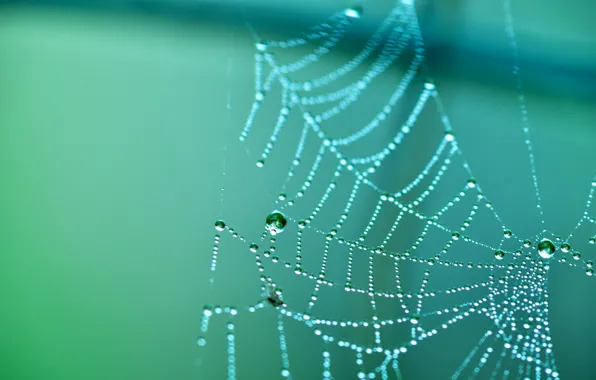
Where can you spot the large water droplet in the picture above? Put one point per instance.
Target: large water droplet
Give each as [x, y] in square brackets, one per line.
[499, 254]
[546, 249]
[220, 225]
[507, 233]
[275, 222]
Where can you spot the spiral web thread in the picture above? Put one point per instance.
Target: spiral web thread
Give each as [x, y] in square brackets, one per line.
[518, 342]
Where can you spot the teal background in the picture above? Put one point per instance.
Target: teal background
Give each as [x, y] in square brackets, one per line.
[113, 125]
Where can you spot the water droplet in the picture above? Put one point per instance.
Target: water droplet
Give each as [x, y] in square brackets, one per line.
[590, 272]
[546, 249]
[429, 86]
[260, 163]
[354, 12]
[527, 243]
[302, 224]
[201, 341]
[499, 254]
[507, 234]
[282, 197]
[592, 240]
[449, 136]
[261, 46]
[565, 247]
[253, 247]
[275, 222]
[455, 235]
[577, 255]
[220, 225]
[471, 183]
[414, 320]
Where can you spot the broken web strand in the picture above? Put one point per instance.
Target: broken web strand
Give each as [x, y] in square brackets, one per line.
[305, 318]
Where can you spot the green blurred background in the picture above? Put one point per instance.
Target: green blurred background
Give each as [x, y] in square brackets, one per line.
[114, 117]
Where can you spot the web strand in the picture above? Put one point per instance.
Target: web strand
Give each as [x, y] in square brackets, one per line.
[521, 99]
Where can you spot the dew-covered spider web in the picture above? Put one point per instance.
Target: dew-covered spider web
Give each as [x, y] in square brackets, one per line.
[379, 244]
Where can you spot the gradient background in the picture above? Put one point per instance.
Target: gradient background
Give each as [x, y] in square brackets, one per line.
[113, 119]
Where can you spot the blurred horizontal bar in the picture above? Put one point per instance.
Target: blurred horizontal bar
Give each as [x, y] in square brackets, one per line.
[487, 62]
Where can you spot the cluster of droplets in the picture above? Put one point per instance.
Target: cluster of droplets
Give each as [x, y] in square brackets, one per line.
[524, 346]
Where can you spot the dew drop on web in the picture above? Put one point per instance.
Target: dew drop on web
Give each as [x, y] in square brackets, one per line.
[275, 222]
[546, 249]
[220, 225]
[354, 12]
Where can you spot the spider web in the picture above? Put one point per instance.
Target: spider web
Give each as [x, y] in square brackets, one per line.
[389, 265]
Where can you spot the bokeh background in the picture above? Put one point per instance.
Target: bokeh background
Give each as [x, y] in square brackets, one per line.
[114, 117]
